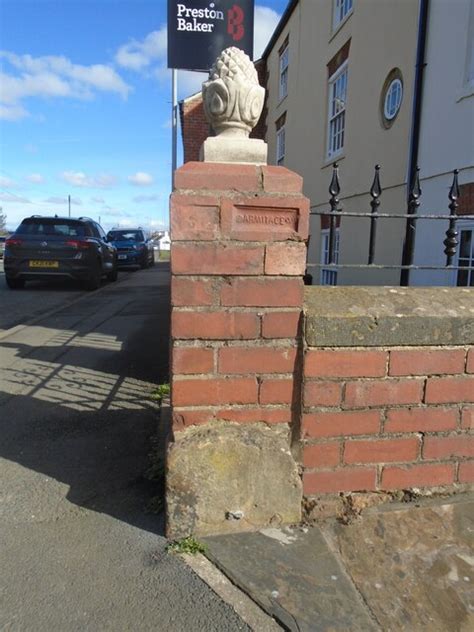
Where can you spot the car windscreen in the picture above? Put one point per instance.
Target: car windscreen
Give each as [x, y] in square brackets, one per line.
[53, 228]
[125, 235]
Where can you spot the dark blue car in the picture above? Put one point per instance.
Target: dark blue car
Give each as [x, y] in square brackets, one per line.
[133, 247]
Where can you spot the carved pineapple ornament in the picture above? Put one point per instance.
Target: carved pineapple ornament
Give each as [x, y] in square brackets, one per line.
[233, 98]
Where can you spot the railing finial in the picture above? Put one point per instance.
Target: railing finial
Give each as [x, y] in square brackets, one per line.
[376, 189]
[451, 242]
[415, 190]
[334, 187]
[454, 190]
[375, 193]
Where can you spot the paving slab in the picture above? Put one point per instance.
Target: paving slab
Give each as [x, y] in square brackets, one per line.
[294, 576]
[414, 566]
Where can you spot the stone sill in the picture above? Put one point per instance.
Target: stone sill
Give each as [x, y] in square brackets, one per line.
[388, 316]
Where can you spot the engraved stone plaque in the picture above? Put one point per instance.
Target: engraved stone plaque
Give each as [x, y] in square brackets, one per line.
[250, 218]
[265, 219]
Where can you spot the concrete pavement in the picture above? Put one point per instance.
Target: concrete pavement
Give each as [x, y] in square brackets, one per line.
[77, 549]
[397, 567]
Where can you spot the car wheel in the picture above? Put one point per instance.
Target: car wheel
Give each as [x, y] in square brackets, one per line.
[93, 282]
[15, 284]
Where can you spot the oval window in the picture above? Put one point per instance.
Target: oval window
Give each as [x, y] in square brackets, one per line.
[393, 99]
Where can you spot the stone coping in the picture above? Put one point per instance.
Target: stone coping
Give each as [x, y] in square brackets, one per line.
[388, 316]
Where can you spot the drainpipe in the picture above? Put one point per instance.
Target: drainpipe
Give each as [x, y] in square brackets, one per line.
[409, 243]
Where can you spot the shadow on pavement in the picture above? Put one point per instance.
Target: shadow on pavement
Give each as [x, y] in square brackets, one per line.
[79, 410]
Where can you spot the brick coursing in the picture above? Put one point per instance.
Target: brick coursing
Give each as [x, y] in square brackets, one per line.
[366, 418]
[237, 294]
[387, 418]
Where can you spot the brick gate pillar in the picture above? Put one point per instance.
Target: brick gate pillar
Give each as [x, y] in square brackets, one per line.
[238, 257]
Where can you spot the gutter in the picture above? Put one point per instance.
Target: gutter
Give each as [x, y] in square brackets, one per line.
[409, 243]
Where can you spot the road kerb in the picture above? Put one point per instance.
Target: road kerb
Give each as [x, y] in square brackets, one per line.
[245, 607]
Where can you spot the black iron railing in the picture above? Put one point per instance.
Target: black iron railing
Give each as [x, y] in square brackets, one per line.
[335, 214]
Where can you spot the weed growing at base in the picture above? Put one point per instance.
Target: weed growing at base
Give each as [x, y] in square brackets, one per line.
[186, 545]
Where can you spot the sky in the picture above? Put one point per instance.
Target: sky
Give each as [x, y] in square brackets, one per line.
[85, 108]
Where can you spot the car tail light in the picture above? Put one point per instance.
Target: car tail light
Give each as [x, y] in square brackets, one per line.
[78, 244]
[12, 241]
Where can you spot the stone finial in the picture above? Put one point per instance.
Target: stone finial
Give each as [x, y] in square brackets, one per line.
[233, 102]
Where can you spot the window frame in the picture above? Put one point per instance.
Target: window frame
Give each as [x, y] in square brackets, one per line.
[283, 71]
[280, 156]
[389, 116]
[342, 69]
[337, 18]
[328, 274]
[467, 225]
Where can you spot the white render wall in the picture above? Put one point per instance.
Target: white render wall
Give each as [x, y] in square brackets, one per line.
[383, 37]
[447, 127]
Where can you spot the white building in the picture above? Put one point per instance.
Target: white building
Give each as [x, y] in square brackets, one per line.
[447, 139]
[164, 242]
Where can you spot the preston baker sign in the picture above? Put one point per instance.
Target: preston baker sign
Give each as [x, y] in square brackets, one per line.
[199, 30]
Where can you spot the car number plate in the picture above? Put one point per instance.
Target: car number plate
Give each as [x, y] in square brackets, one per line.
[122, 256]
[44, 264]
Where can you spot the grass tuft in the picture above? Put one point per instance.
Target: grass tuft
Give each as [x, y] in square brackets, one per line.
[187, 545]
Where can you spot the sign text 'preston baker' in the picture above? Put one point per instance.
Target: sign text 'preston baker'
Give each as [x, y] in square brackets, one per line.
[186, 24]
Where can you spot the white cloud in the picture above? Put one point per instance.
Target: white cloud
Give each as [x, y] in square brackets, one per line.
[35, 178]
[80, 179]
[141, 199]
[8, 183]
[10, 197]
[265, 22]
[137, 55]
[141, 179]
[64, 201]
[12, 112]
[52, 77]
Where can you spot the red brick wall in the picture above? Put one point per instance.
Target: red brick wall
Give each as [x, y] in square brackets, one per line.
[194, 127]
[236, 293]
[366, 418]
[387, 418]
[466, 199]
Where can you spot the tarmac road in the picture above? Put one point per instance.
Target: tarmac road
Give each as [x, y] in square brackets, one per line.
[77, 549]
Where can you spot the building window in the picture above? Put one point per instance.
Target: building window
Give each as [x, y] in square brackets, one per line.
[337, 111]
[280, 138]
[284, 61]
[342, 8]
[465, 278]
[329, 276]
[391, 97]
[281, 146]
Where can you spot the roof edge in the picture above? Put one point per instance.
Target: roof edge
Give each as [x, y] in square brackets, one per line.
[280, 26]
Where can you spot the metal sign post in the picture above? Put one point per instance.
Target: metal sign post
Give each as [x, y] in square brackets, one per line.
[174, 120]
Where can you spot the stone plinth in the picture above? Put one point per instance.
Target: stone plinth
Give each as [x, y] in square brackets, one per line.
[230, 149]
[238, 258]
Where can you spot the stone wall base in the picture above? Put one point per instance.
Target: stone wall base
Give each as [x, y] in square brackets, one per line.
[226, 478]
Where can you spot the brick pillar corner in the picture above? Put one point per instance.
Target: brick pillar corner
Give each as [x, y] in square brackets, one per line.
[238, 256]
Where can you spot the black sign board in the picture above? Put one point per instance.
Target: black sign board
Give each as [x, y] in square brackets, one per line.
[199, 30]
